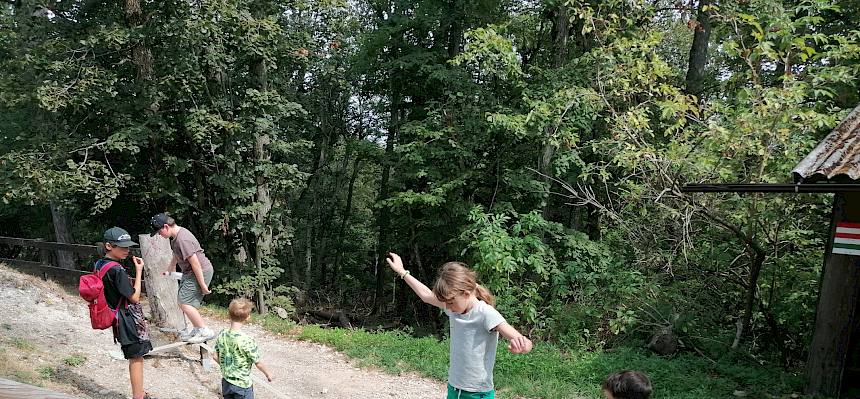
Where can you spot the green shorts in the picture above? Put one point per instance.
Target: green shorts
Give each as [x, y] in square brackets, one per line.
[455, 393]
[189, 290]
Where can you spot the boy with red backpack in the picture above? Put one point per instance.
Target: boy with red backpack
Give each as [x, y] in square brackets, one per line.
[121, 294]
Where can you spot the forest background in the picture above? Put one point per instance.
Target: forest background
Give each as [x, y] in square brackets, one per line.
[542, 142]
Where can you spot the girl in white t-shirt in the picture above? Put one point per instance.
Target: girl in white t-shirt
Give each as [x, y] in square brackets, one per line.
[475, 327]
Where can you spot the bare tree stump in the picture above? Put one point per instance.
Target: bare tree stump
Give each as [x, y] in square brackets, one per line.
[336, 317]
[664, 342]
[161, 290]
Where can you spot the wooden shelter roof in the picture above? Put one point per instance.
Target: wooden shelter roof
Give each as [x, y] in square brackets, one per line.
[837, 157]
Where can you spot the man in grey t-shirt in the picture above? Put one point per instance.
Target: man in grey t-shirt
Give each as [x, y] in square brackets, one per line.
[197, 273]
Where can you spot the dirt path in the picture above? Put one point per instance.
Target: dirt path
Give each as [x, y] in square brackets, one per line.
[45, 339]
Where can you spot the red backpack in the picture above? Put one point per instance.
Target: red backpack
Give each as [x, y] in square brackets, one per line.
[92, 290]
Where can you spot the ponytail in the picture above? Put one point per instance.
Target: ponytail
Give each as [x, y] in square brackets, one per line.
[484, 294]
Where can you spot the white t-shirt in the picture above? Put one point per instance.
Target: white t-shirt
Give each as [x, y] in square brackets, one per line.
[473, 347]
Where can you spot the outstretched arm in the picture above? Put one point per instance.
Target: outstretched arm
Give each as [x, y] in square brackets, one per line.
[517, 343]
[265, 370]
[420, 289]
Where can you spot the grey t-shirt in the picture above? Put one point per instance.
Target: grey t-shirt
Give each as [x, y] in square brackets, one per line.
[473, 347]
[184, 245]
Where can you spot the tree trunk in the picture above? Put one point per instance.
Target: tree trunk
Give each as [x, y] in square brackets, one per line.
[836, 311]
[347, 213]
[743, 324]
[309, 250]
[384, 214]
[65, 259]
[455, 28]
[695, 82]
[160, 290]
[141, 56]
[263, 239]
[560, 34]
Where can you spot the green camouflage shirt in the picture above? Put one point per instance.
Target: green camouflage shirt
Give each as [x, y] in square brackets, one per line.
[237, 352]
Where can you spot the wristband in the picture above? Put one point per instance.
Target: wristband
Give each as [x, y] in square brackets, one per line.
[405, 273]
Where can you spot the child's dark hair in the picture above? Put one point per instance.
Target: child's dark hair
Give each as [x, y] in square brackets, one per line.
[240, 309]
[628, 384]
[455, 278]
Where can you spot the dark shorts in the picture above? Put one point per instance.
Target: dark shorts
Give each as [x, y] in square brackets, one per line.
[137, 349]
[231, 391]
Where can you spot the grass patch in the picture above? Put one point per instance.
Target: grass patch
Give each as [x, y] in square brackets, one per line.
[75, 360]
[22, 344]
[47, 372]
[548, 372]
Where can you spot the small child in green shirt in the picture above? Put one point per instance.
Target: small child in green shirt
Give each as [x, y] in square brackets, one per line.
[236, 352]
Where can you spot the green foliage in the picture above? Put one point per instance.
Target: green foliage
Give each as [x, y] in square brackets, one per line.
[47, 372]
[300, 141]
[75, 360]
[549, 272]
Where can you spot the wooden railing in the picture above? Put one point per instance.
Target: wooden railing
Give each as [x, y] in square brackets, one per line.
[46, 266]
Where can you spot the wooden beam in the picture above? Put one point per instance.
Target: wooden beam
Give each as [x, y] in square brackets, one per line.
[168, 347]
[16, 390]
[88, 250]
[65, 276]
[56, 246]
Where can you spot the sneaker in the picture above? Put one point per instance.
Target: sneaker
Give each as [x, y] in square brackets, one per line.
[188, 333]
[203, 334]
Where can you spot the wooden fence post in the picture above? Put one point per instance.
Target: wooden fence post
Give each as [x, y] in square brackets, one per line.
[46, 256]
[161, 290]
[837, 309]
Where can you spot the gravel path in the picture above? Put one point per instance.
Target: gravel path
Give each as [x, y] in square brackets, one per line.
[43, 329]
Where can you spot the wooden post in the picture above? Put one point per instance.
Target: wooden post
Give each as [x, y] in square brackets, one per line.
[161, 290]
[206, 353]
[65, 259]
[46, 256]
[836, 308]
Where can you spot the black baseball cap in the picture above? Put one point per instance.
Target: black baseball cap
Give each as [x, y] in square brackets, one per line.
[158, 221]
[119, 237]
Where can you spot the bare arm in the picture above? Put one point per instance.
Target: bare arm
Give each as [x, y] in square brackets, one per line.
[138, 276]
[517, 343]
[265, 370]
[171, 266]
[420, 289]
[198, 273]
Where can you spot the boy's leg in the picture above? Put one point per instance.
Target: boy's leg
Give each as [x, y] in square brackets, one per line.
[191, 297]
[193, 315]
[135, 372]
